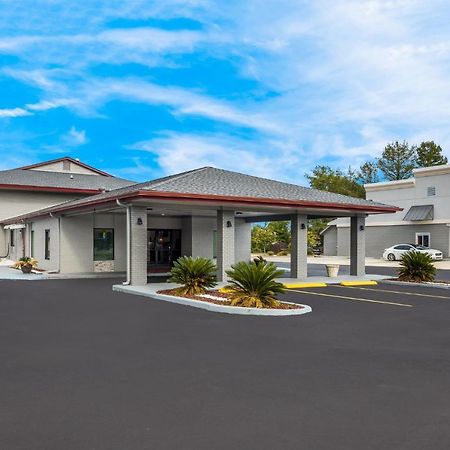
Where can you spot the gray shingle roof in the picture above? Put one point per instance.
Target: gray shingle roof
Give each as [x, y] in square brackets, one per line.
[63, 180]
[212, 181]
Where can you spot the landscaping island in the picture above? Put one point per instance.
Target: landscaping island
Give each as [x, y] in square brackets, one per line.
[252, 288]
[222, 298]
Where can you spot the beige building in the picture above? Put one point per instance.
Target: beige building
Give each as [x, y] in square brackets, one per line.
[37, 186]
[423, 217]
[109, 224]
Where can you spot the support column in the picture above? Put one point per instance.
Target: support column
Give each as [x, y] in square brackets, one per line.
[358, 245]
[225, 243]
[299, 246]
[138, 245]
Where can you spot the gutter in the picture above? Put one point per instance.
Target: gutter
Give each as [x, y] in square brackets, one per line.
[128, 209]
[203, 198]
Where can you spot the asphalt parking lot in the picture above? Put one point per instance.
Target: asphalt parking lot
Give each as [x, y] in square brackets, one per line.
[85, 368]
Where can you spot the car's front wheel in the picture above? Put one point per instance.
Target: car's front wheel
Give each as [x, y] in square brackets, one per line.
[391, 257]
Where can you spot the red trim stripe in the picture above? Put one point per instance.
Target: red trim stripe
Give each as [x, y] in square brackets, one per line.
[176, 196]
[27, 187]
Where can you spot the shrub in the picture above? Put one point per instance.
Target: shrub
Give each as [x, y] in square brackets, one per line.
[278, 247]
[416, 266]
[25, 261]
[270, 253]
[254, 285]
[259, 260]
[283, 253]
[196, 275]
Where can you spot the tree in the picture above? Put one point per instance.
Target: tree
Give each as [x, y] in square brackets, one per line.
[331, 180]
[397, 161]
[430, 154]
[281, 230]
[368, 173]
[262, 239]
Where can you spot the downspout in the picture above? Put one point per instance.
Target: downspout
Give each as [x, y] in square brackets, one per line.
[128, 220]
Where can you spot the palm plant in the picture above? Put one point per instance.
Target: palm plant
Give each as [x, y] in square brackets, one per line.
[254, 285]
[196, 275]
[416, 266]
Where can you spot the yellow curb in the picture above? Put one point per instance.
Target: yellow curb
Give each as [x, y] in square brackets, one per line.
[358, 283]
[303, 285]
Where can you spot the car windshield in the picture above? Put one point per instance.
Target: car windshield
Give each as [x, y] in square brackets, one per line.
[420, 247]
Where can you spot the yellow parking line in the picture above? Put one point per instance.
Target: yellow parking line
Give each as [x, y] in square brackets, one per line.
[303, 285]
[399, 292]
[358, 283]
[352, 298]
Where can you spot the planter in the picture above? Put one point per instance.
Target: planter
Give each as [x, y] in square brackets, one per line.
[26, 269]
[332, 270]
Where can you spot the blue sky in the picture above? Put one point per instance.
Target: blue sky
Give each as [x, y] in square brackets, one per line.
[270, 88]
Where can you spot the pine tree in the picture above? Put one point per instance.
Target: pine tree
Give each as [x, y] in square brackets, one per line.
[368, 173]
[397, 161]
[430, 154]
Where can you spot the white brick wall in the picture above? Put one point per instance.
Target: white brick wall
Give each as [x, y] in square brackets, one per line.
[242, 233]
[225, 243]
[138, 271]
[357, 245]
[299, 246]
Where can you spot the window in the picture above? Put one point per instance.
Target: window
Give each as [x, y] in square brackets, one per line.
[103, 244]
[32, 243]
[47, 244]
[423, 239]
[403, 247]
[11, 238]
[431, 191]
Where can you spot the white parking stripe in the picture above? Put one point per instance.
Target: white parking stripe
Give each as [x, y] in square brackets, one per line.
[398, 292]
[351, 298]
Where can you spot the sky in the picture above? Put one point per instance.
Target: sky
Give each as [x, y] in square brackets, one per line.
[143, 89]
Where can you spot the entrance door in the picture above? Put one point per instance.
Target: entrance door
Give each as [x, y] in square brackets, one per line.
[164, 247]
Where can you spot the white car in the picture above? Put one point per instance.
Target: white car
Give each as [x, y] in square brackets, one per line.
[396, 252]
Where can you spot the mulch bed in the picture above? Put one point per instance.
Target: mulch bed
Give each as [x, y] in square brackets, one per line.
[422, 282]
[225, 296]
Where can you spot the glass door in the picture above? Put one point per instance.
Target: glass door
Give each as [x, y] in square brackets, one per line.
[163, 248]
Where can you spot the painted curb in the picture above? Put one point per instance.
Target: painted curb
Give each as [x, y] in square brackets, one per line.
[237, 310]
[303, 285]
[409, 283]
[358, 283]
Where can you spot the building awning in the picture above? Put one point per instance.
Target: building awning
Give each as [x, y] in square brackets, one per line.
[14, 226]
[420, 212]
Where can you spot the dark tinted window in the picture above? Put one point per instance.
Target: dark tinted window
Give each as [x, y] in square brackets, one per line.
[103, 244]
[403, 247]
[47, 244]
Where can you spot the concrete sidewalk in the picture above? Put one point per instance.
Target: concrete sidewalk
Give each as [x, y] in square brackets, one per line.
[345, 261]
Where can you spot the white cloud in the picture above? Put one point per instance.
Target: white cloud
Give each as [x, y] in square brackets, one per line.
[176, 152]
[349, 75]
[45, 105]
[75, 137]
[14, 112]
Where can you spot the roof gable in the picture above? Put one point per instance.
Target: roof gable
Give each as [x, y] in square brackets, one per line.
[66, 164]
